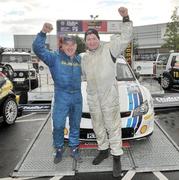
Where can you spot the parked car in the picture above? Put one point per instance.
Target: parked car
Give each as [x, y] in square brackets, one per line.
[25, 75]
[8, 99]
[166, 69]
[136, 106]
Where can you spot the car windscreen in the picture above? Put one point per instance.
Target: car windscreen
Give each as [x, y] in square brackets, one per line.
[15, 58]
[163, 58]
[2, 80]
[124, 73]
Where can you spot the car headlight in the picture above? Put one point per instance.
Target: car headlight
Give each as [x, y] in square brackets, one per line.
[15, 74]
[141, 110]
[41, 68]
[31, 73]
[21, 74]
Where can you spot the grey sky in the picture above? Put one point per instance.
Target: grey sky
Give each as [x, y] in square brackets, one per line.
[28, 16]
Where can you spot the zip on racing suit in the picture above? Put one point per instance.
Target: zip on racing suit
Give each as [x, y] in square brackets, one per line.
[99, 70]
[66, 74]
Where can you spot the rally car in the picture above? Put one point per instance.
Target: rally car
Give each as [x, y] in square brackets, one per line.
[8, 99]
[136, 106]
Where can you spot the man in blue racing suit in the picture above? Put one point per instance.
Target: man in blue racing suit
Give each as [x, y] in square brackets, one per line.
[65, 68]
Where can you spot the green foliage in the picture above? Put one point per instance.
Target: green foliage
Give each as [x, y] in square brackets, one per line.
[1, 50]
[80, 44]
[172, 33]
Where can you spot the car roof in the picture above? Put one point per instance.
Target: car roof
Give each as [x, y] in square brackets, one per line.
[15, 53]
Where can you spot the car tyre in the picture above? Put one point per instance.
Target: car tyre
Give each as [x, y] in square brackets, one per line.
[34, 84]
[10, 111]
[166, 82]
[23, 97]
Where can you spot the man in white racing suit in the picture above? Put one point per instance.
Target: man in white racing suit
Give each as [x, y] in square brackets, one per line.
[98, 68]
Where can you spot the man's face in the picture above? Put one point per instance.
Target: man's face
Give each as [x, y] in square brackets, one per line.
[69, 48]
[92, 42]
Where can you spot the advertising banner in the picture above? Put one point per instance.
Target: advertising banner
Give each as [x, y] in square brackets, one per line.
[80, 26]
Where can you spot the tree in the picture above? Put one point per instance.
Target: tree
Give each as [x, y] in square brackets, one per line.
[1, 50]
[80, 44]
[172, 33]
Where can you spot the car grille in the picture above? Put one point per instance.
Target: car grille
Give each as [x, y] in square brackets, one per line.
[17, 74]
[20, 74]
[126, 133]
[123, 114]
[86, 115]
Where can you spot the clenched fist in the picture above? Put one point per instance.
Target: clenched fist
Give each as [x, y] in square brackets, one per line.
[123, 11]
[47, 28]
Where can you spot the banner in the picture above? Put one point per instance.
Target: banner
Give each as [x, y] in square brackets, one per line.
[80, 26]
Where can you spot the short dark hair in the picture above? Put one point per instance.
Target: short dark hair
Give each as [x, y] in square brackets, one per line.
[92, 31]
[67, 38]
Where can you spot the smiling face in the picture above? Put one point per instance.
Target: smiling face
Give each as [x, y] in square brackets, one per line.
[69, 48]
[92, 42]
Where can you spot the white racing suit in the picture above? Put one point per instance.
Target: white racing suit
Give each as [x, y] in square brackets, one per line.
[102, 90]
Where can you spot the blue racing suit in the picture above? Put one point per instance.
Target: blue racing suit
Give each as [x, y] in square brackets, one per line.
[66, 74]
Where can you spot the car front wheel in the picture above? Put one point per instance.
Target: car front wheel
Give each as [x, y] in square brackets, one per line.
[166, 82]
[10, 110]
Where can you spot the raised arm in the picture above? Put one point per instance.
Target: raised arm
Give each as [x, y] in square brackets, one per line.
[39, 45]
[120, 41]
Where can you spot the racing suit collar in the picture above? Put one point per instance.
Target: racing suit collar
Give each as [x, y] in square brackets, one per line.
[74, 58]
[94, 50]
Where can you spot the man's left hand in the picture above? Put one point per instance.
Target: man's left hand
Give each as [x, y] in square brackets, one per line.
[123, 11]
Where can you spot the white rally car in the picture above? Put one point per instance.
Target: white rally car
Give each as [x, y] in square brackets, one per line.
[136, 106]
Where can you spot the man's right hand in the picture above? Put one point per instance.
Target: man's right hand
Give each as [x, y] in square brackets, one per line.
[47, 28]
